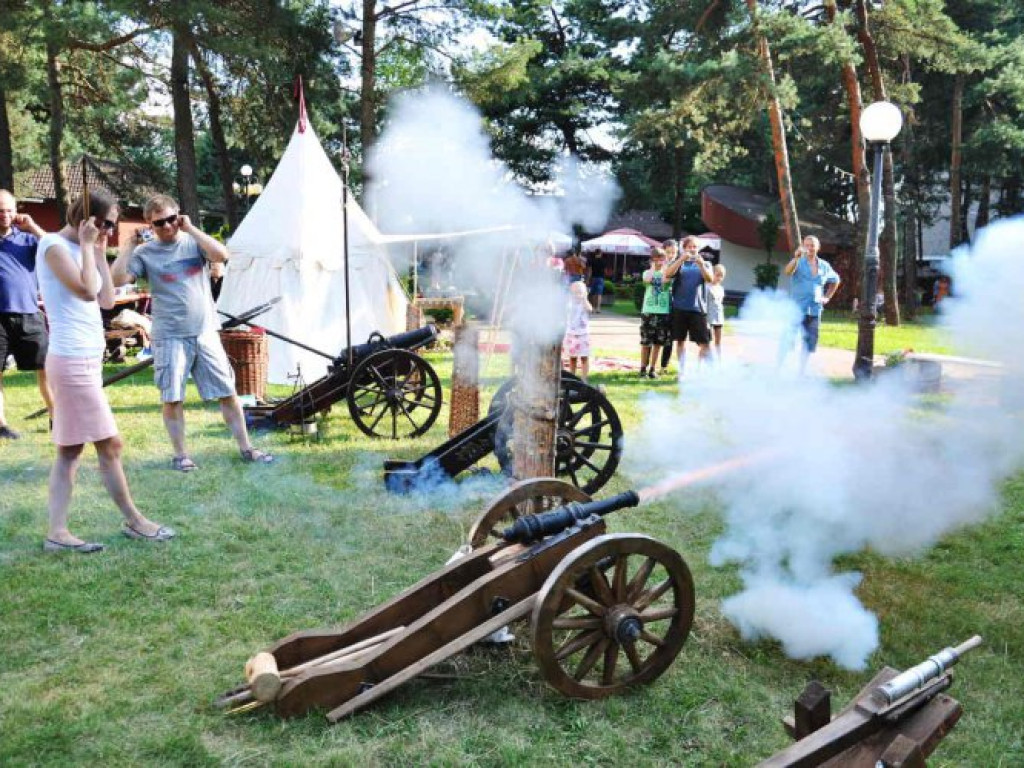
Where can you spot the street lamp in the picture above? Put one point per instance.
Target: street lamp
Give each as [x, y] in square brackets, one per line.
[248, 186]
[879, 124]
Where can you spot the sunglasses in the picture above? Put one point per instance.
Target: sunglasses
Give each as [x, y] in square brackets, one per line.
[106, 224]
[166, 222]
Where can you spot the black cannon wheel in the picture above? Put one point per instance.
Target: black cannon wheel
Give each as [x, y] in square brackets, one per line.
[500, 399]
[394, 394]
[588, 441]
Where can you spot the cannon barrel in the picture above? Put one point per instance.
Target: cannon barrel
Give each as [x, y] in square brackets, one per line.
[408, 340]
[530, 528]
[910, 680]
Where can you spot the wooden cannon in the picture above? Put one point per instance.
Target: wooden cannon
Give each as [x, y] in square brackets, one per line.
[896, 721]
[607, 611]
[588, 442]
[391, 391]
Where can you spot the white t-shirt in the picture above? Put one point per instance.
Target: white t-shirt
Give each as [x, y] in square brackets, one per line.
[76, 326]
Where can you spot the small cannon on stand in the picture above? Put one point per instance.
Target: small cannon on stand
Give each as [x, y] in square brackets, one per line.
[896, 721]
[391, 392]
[608, 612]
[588, 442]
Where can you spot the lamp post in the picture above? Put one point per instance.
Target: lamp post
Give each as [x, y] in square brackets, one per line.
[248, 186]
[879, 124]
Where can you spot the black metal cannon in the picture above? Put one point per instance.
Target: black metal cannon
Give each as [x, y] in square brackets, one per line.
[588, 442]
[391, 391]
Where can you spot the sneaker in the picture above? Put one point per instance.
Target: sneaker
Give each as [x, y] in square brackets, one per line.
[144, 354]
[652, 374]
[643, 373]
[6, 433]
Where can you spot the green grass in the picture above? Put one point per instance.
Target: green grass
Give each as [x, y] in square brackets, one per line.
[113, 659]
[839, 330]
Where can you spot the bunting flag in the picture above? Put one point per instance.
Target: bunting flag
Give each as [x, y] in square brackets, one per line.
[301, 97]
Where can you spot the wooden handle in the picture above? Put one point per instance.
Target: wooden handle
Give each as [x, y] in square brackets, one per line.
[263, 677]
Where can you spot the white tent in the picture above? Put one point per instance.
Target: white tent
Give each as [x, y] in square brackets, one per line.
[291, 245]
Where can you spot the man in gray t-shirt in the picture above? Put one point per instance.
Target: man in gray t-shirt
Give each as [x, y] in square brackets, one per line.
[185, 339]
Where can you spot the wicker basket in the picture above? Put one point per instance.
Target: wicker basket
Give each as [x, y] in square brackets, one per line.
[250, 358]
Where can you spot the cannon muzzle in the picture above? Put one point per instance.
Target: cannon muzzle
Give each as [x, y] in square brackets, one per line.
[917, 676]
[408, 340]
[531, 528]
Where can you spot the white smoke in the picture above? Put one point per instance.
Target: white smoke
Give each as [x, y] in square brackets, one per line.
[432, 171]
[849, 468]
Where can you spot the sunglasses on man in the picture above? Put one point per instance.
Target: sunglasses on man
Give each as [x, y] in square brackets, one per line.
[106, 224]
[165, 222]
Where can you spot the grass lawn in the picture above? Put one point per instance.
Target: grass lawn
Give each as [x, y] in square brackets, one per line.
[839, 330]
[113, 659]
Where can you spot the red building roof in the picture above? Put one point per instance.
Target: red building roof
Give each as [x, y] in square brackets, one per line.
[735, 213]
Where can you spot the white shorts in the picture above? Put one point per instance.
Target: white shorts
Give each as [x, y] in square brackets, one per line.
[202, 357]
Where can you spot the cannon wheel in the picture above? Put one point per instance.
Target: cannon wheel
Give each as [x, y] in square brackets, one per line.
[527, 497]
[615, 613]
[588, 438]
[394, 393]
[500, 399]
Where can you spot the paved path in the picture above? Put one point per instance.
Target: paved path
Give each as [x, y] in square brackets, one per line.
[620, 334]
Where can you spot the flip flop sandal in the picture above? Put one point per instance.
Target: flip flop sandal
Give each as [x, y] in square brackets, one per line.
[184, 464]
[254, 455]
[163, 533]
[85, 548]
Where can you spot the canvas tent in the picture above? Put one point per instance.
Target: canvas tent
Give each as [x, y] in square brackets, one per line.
[290, 244]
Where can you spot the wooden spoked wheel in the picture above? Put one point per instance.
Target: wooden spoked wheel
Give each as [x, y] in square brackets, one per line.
[615, 613]
[527, 497]
[394, 394]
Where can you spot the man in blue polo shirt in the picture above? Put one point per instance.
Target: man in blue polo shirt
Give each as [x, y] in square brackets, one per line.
[814, 285]
[22, 328]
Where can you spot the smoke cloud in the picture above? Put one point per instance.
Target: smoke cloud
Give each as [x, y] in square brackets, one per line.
[848, 468]
[432, 171]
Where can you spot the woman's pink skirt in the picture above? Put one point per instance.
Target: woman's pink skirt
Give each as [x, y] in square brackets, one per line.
[81, 413]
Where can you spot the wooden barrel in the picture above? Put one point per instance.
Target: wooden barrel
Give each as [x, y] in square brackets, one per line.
[249, 355]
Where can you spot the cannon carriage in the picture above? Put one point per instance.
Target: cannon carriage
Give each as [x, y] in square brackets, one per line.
[588, 441]
[391, 392]
[607, 611]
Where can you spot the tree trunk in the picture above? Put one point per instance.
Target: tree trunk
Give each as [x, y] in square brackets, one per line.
[955, 161]
[6, 152]
[861, 180]
[984, 203]
[786, 200]
[220, 145]
[887, 246]
[184, 137]
[965, 207]
[60, 190]
[677, 191]
[368, 77]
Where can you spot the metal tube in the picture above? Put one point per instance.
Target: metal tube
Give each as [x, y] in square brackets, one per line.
[864, 361]
[910, 680]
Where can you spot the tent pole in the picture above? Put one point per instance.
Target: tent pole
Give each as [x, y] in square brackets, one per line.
[344, 230]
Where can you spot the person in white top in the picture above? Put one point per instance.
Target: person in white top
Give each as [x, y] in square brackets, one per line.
[74, 279]
[716, 308]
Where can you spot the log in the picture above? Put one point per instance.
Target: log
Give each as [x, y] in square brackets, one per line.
[262, 675]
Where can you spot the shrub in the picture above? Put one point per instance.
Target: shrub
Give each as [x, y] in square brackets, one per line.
[766, 276]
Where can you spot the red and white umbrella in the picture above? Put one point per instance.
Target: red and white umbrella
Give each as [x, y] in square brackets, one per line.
[621, 241]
